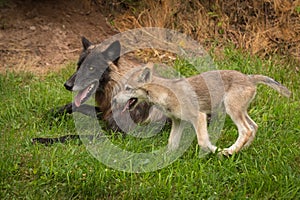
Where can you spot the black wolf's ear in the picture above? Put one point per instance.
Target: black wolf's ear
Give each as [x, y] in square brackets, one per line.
[146, 75]
[112, 53]
[85, 43]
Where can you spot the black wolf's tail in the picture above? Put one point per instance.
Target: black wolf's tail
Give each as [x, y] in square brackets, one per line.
[271, 83]
[61, 139]
[64, 139]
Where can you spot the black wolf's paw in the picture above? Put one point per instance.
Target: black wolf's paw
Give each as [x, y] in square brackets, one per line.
[60, 111]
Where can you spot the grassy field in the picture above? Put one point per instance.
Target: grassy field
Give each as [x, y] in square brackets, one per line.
[269, 169]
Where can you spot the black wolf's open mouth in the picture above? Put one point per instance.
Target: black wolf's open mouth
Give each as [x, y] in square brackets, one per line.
[130, 104]
[84, 95]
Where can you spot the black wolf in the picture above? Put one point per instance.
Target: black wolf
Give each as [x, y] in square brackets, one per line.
[100, 72]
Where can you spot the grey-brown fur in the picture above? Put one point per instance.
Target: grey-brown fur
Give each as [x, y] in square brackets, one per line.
[192, 98]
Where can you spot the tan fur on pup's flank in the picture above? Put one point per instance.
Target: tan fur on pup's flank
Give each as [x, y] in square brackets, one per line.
[191, 99]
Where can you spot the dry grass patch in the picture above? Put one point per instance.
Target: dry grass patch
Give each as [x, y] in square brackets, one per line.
[261, 27]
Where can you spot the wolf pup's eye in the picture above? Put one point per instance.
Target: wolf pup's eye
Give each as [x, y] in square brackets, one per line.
[91, 68]
[128, 88]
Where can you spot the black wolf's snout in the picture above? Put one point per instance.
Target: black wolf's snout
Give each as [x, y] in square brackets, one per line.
[69, 84]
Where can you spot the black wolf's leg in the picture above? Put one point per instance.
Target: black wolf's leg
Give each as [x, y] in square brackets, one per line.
[89, 110]
[69, 108]
[58, 111]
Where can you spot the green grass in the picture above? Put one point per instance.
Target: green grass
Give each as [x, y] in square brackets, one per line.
[269, 169]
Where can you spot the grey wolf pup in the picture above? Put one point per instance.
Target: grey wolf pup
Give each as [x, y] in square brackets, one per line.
[191, 99]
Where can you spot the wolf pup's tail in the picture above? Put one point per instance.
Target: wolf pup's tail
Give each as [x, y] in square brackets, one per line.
[272, 83]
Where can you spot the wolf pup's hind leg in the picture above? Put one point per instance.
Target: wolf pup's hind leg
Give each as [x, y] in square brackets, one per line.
[236, 104]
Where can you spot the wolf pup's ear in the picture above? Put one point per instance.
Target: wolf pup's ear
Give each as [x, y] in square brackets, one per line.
[85, 43]
[146, 75]
[112, 53]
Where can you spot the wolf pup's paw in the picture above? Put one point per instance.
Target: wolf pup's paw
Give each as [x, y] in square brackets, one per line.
[226, 152]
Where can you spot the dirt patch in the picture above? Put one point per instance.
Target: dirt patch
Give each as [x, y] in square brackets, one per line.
[41, 36]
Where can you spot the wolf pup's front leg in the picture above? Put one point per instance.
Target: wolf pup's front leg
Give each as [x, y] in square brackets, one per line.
[175, 135]
[200, 125]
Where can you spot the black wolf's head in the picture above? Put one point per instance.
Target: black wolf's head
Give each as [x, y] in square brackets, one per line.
[92, 69]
